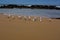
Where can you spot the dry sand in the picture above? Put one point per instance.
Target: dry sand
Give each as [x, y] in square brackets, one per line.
[20, 29]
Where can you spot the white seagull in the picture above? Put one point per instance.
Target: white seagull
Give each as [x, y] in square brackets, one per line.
[19, 17]
[40, 19]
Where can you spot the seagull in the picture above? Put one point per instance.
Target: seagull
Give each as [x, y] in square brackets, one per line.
[34, 19]
[25, 17]
[9, 15]
[29, 17]
[19, 17]
[40, 19]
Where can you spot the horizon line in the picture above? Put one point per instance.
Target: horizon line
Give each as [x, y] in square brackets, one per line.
[31, 4]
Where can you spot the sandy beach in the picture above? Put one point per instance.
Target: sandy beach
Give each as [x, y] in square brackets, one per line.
[21, 29]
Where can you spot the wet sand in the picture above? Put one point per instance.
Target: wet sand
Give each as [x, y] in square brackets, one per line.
[20, 29]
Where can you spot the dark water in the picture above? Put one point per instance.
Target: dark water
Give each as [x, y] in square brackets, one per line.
[34, 12]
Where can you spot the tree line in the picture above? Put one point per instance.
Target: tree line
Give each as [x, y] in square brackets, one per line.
[30, 6]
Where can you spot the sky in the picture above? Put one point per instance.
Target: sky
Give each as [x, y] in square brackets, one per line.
[40, 2]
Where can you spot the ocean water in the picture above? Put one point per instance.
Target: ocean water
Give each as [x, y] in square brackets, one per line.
[32, 12]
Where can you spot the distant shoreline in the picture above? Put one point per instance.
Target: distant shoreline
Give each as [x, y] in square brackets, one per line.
[11, 6]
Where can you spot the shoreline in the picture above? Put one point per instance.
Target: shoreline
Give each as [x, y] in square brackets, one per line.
[31, 6]
[30, 15]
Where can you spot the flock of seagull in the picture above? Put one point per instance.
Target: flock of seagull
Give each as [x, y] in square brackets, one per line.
[26, 17]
